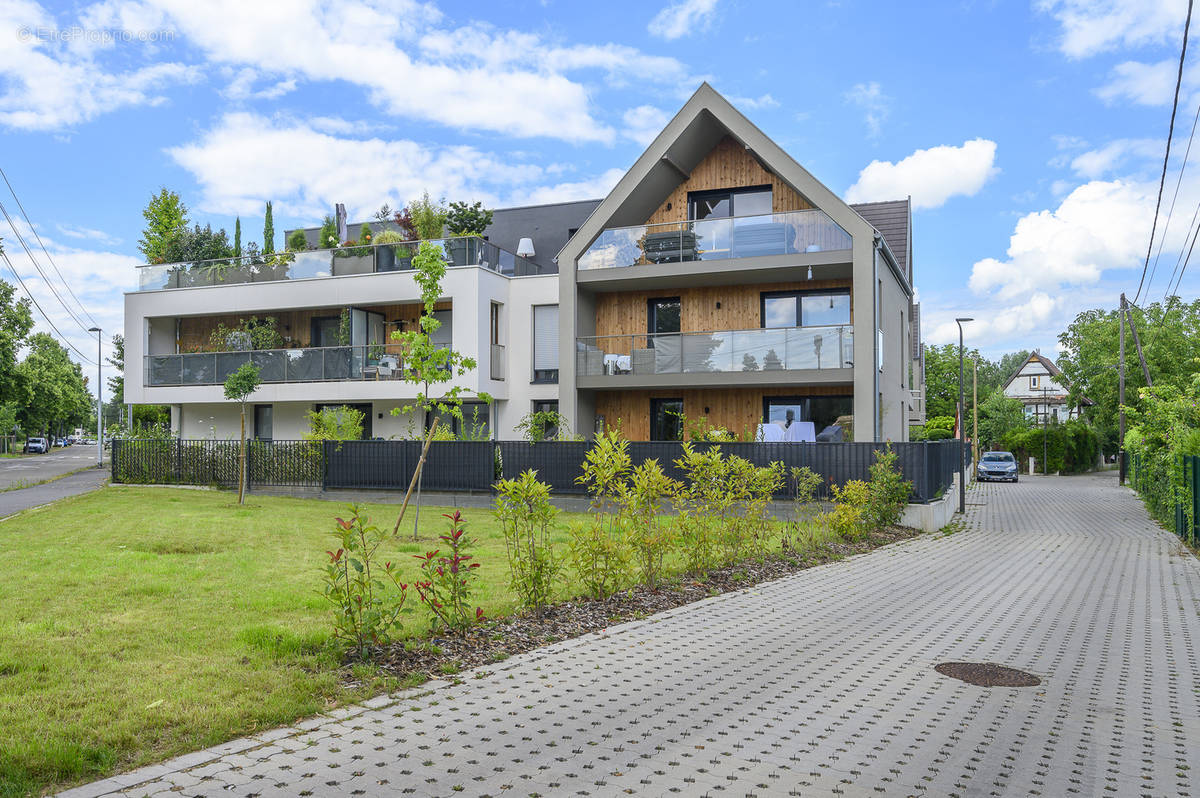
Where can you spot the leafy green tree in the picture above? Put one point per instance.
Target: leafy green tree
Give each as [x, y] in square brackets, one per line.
[428, 217]
[56, 391]
[1170, 334]
[237, 237]
[16, 321]
[999, 415]
[238, 387]
[197, 244]
[467, 220]
[166, 219]
[268, 247]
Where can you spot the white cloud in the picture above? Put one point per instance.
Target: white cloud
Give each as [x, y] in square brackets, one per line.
[247, 158]
[592, 188]
[1099, 226]
[876, 104]
[241, 87]
[1096, 163]
[51, 85]
[930, 176]
[1093, 26]
[680, 19]
[644, 123]
[761, 102]
[1148, 84]
[88, 234]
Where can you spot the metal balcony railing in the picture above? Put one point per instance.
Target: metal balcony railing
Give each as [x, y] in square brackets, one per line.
[370, 259]
[768, 349]
[787, 233]
[314, 364]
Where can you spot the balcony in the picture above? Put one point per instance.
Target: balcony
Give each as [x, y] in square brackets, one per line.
[791, 233]
[371, 259]
[497, 364]
[315, 364]
[742, 352]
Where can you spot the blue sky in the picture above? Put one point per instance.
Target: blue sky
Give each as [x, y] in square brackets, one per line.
[1030, 135]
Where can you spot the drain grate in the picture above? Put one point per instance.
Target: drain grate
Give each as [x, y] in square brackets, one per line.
[987, 674]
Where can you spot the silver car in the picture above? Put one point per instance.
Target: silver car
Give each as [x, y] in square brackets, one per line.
[997, 465]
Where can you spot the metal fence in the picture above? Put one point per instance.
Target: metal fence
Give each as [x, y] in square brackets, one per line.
[476, 465]
[1184, 500]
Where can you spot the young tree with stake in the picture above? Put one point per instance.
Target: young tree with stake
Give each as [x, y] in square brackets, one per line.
[238, 387]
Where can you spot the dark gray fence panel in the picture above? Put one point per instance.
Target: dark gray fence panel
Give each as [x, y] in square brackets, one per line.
[557, 464]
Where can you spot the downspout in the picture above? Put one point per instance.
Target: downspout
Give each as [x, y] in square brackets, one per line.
[875, 336]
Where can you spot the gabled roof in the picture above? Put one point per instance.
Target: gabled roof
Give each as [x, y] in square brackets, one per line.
[1053, 370]
[705, 119]
[892, 219]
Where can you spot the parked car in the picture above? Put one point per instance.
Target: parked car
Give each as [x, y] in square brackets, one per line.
[36, 446]
[997, 465]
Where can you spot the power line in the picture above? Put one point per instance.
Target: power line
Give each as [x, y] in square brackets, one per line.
[43, 246]
[1188, 258]
[1171, 210]
[41, 273]
[33, 299]
[1167, 157]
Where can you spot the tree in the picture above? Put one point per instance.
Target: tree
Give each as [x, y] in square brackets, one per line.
[238, 387]
[428, 217]
[56, 395]
[328, 237]
[237, 237]
[198, 244]
[467, 220]
[425, 363]
[297, 241]
[16, 321]
[268, 247]
[999, 415]
[1170, 334]
[166, 219]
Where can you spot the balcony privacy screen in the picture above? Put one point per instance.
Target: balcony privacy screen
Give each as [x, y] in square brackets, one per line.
[545, 337]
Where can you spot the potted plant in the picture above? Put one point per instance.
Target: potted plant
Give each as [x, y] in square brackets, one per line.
[388, 256]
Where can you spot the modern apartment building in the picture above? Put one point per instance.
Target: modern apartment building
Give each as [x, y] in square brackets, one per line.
[719, 280]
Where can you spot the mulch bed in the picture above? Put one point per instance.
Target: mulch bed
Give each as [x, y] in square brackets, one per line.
[497, 639]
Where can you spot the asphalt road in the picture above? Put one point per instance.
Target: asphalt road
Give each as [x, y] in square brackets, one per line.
[37, 467]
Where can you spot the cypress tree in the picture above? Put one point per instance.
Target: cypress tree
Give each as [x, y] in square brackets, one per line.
[268, 233]
[237, 237]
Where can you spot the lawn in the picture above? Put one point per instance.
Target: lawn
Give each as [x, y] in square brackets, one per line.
[142, 623]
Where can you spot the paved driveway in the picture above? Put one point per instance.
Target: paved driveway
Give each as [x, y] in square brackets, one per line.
[818, 684]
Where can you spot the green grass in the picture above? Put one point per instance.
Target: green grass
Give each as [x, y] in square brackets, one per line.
[142, 623]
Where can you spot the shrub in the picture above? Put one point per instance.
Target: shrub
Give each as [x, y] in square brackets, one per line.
[448, 582]
[297, 241]
[803, 483]
[598, 549]
[888, 492]
[525, 514]
[367, 598]
[650, 535]
[938, 434]
[847, 520]
[467, 220]
[334, 424]
[704, 505]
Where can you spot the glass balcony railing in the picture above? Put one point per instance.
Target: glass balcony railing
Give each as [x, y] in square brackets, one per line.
[316, 364]
[788, 233]
[464, 251]
[769, 349]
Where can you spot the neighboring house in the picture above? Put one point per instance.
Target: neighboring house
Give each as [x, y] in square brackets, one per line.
[1041, 387]
[718, 280]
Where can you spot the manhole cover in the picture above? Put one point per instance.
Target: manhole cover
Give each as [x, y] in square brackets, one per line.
[987, 674]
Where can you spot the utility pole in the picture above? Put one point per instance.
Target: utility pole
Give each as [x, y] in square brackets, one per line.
[1137, 342]
[1045, 429]
[1121, 398]
[962, 423]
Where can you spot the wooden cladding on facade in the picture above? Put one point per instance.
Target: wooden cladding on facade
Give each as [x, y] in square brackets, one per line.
[738, 410]
[195, 331]
[728, 165]
[625, 313]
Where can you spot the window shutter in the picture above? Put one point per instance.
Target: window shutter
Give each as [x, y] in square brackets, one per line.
[545, 337]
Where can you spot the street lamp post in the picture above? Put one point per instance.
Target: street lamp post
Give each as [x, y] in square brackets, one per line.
[962, 471]
[99, 401]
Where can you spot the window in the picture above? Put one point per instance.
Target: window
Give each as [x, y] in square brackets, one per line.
[663, 316]
[545, 343]
[262, 422]
[805, 308]
[326, 331]
[495, 324]
[1035, 382]
[549, 431]
[752, 201]
[666, 419]
[822, 411]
